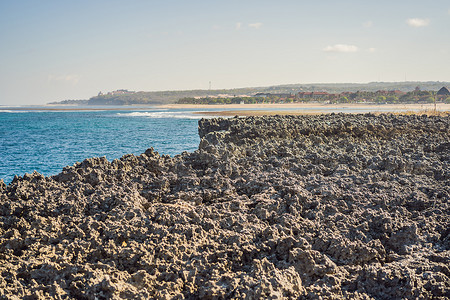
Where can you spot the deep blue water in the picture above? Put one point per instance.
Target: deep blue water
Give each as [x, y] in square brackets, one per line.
[46, 141]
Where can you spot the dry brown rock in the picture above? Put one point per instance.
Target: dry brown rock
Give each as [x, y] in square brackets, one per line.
[331, 206]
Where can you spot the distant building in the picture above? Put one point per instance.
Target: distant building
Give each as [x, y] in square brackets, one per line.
[280, 95]
[120, 92]
[390, 93]
[382, 92]
[443, 93]
[397, 92]
[313, 95]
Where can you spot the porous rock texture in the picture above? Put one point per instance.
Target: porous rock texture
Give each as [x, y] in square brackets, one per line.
[308, 207]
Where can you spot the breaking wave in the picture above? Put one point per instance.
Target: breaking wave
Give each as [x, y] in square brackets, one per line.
[13, 111]
[164, 115]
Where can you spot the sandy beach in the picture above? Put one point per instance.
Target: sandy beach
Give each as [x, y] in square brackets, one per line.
[250, 109]
[439, 106]
[305, 108]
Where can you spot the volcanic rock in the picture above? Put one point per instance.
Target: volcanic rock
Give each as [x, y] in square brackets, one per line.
[310, 207]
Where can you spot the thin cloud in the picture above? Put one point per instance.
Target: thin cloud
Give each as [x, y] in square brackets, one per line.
[69, 78]
[368, 24]
[417, 22]
[341, 48]
[238, 25]
[372, 50]
[255, 25]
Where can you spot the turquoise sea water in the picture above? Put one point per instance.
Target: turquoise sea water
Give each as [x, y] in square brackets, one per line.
[46, 141]
[37, 138]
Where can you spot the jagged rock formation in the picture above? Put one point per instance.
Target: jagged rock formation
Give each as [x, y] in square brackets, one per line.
[331, 206]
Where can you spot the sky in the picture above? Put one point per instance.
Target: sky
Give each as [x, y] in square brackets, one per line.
[56, 50]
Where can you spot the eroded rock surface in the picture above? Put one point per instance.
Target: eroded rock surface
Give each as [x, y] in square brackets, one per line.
[330, 207]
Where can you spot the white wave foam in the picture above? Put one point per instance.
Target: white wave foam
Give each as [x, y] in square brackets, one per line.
[13, 111]
[163, 114]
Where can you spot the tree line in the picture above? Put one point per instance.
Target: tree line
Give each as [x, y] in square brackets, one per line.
[379, 97]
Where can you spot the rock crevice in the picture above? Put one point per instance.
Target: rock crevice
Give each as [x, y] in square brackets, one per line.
[331, 206]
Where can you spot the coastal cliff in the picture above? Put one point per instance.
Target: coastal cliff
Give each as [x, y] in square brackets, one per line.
[332, 206]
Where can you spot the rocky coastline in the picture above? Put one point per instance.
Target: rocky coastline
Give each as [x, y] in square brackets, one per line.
[336, 206]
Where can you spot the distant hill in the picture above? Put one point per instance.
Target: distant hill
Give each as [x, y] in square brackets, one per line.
[125, 97]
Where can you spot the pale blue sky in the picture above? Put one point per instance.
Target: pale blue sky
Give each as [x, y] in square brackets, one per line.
[57, 50]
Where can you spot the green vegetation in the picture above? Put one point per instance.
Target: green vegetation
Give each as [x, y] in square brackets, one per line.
[121, 99]
[224, 100]
[348, 93]
[379, 97]
[70, 102]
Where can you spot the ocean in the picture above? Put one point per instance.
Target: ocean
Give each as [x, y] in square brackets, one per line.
[47, 141]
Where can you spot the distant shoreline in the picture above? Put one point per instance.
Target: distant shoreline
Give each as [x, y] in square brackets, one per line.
[306, 108]
[440, 106]
[246, 109]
